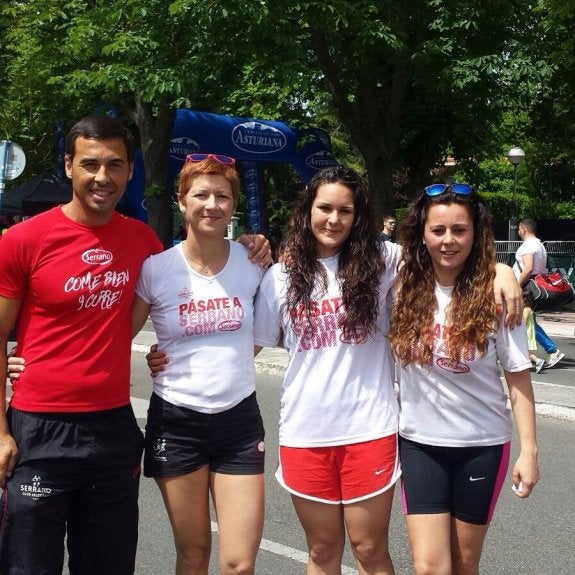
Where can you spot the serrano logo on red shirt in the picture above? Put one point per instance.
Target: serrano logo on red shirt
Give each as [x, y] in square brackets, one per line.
[97, 257]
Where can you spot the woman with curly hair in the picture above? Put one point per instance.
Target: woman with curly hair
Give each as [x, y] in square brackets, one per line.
[338, 421]
[454, 426]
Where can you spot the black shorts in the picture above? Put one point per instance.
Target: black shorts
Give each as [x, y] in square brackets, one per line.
[181, 440]
[463, 481]
[77, 476]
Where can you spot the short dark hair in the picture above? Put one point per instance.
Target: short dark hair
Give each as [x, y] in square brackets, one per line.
[100, 128]
[530, 224]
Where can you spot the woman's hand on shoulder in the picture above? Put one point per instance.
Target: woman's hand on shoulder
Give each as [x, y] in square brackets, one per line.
[506, 289]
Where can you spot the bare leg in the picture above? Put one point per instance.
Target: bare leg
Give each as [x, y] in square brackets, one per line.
[186, 500]
[367, 525]
[466, 546]
[325, 534]
[239, 503]
[430, 540]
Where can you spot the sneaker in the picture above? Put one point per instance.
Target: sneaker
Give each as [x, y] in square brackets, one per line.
[539, 364]
[554, 358]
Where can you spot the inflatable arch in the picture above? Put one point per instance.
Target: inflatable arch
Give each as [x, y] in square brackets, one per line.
[248, 140]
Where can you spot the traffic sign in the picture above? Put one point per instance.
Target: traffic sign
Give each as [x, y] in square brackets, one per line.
[15, 161]
[12, 161]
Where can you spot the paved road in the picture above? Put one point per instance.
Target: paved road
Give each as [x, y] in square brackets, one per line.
[555, 388]
[530, 537]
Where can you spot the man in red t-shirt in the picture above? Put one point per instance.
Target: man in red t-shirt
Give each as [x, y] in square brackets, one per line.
[70, 446]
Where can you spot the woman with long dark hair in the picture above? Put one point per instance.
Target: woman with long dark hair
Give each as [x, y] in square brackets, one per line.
[338, 422]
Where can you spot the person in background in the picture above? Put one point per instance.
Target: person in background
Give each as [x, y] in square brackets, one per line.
[69, 276]
[389, 225]
[454, 425]
[529, 321]
[204, 433]
[530, 260]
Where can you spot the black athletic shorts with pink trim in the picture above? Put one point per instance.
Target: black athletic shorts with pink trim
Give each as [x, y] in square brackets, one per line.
[180, 440]
[463, 481]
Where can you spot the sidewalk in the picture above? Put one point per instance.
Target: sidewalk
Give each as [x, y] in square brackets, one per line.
[551, 399]
[558, 323]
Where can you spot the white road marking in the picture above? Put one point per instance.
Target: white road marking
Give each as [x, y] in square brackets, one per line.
[556, 411]
[289, 552]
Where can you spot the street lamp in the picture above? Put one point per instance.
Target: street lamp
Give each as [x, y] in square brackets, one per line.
[515, 157]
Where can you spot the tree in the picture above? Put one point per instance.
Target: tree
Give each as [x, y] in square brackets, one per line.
[146, 56]
[400, 88]
[411, 85]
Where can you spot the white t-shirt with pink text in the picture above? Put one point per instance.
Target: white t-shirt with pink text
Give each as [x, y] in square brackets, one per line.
[461, 403]
[205, 325]
[334, 392]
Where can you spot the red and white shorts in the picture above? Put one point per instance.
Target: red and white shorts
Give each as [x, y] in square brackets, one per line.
[341, 473]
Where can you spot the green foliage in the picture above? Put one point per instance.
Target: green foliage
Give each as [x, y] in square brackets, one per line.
[153, 191]
[494, 179]
[397, 89]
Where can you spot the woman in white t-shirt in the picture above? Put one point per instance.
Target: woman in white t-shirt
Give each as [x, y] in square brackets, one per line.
[455, 428]
[338, 422]
[204, 433]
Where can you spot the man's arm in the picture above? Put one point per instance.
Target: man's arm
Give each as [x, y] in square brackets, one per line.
[9, 309]
[260, 251]
[527, 271]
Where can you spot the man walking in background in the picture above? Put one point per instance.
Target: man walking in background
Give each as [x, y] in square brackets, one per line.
[530, 260]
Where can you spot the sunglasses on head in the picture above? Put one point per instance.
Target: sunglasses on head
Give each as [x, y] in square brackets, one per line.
[225, 160]
[459, 189]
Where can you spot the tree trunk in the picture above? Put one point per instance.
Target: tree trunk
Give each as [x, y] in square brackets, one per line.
[155, 134]
[372, 117]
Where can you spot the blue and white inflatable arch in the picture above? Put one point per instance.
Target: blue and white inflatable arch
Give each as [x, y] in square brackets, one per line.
[250, 141]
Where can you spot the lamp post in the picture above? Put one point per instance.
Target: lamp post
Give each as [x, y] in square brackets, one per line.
[515, 157]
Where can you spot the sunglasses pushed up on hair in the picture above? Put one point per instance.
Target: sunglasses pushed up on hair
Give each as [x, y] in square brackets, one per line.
[438, 189]
[225, 160]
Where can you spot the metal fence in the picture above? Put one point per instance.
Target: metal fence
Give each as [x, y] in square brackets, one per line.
[505, 250]
[560, 256]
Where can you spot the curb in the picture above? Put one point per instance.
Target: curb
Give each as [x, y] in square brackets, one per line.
[555, 411]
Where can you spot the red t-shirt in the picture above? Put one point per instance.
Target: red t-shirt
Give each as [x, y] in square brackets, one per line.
[76, 284]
